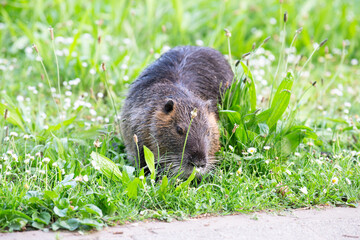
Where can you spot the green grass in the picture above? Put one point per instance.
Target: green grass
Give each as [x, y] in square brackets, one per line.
[53, 176]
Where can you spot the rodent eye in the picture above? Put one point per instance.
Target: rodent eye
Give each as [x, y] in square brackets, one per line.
[179, 130]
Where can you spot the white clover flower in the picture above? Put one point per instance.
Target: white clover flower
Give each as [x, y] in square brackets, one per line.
[42, 171]
[55, 164]
[86, 178]
[26, 137]
[27, 160]
[288, 171]
[347, 104]
[310, 144]
[46, 160]
[334, 180]
[92, 71]
[20, 98]
[38, 154]
[304, 190]
[251, 150]
[272, 21]
[14, 134]
[266, 148]
[199, 42]
[6, 139]
[354, 62]
[348, 181]
[231, 148]
[318, 161]
[141, 177]
[100, 95]
[78, 178]
[92, 112]
[97, 143]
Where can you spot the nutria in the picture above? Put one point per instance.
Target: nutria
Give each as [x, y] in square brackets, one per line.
[159, 104]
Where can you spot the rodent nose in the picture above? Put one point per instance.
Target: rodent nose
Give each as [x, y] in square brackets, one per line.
[198, 159]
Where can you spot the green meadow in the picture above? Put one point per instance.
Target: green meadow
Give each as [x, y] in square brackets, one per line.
[289, 123]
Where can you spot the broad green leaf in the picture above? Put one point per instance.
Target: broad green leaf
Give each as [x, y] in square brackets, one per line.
[17, 224]
[149, 159]
[14, 116]
[252, 90]
[164, 184]
[107, 167]
[43, 217]
[59, 147]
[51, 194]
[91, 208]
[264, 129]
[187, 182]
[60, 212]
[281, 100]
[91, 223]
[9, 214]
[132, 188]
[70, 224]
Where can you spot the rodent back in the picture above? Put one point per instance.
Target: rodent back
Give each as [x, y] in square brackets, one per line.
[203, 71]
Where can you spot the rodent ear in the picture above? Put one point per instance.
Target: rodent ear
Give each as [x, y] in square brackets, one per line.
[169, 106]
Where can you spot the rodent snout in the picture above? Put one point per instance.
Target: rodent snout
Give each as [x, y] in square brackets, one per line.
[198, 159]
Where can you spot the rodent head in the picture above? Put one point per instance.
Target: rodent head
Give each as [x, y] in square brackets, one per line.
[171, 123]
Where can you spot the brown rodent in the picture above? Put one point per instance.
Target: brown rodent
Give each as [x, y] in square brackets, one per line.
[159, 104]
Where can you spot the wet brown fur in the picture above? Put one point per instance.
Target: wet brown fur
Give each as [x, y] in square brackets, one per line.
[188, 77]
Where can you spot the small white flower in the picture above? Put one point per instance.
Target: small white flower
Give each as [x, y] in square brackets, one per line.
[68, 93]
[100, 95]
[79, 178]
[288, 171]
[304, 190]
[334, 180]
[231, 148]
[347, 104]
[318, 161]
[42, 171]
[251, 150]
[20, 98]
[141, 177]
[92, 112]
[310, 144]
[26, 161]
[86, 178]
[199, 42]
[272, 21]
[239, 171]
[354, 62]
[46, 160]
[14, 134]
[55, 164]
[348, 181]
[38, 154]
[6, 139]
[267, 148]
[92, 71]
[97, 143]
[26, 137]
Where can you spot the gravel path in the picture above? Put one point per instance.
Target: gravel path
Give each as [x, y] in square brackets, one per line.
[328, 223]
